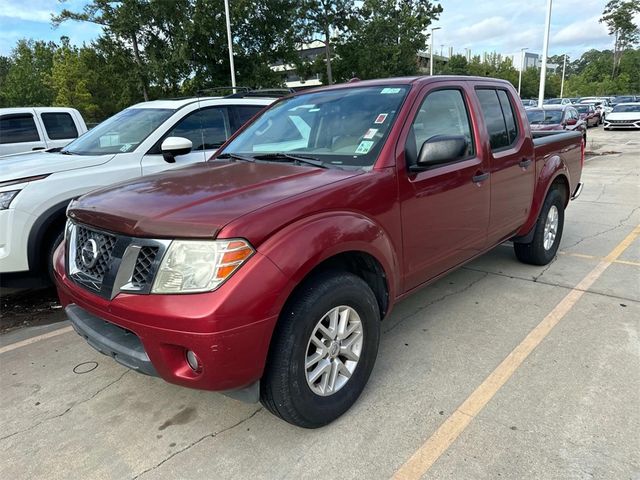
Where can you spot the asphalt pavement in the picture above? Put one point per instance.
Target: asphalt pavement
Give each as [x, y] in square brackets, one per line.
[498, 370]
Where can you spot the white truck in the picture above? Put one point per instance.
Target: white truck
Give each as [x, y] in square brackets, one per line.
[38, 128]
[36, 188]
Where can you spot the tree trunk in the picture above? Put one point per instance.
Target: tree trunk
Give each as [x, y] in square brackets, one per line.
[141, 75]
[327, 52]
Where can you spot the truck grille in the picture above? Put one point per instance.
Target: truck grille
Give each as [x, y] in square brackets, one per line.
[143, 271]
[107, 263]
[103, 244]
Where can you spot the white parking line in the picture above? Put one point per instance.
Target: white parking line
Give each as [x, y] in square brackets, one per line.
[35, 339]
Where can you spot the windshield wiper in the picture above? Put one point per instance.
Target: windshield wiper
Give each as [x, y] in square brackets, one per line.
[235, 156]
[292, 158]
[66, 152]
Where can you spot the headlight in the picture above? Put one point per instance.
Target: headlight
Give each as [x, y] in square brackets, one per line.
[6, 198]
[191, 266]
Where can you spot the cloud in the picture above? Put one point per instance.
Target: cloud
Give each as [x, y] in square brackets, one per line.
[25, 11]
[576, 34]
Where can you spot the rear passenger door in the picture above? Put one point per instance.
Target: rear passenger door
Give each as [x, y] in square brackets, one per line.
[19, 132]
[512, 162]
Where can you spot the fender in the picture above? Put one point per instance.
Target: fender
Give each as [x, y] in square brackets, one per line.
[322, 236]
[554, 167]
[38, 231]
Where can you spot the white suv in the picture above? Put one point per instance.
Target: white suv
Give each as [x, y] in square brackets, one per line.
[36, 188]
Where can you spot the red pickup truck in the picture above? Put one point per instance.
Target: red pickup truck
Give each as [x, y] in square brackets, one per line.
[266, 272]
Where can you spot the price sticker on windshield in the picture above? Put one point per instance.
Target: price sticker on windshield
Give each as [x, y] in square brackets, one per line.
[369, 134]
[387, 91]
[381, 118]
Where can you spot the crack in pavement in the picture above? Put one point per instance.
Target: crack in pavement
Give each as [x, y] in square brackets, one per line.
[549, 284]
[620, 224]
[44, 420]
[544, 270]
[439, 299]
[193, 444]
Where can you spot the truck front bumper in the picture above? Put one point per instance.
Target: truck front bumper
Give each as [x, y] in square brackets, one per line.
[227, 331]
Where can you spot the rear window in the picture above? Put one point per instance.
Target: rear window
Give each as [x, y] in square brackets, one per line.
[18, 128]
[59, 125]
[498, 117]
[544, 117]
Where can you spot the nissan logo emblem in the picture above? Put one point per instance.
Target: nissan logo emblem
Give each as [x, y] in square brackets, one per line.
[89, 253]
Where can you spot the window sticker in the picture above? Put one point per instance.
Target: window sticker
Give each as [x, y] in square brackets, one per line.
[370, 133]
[390, 91]
[125, 147]
[381, 118]
[364, 146]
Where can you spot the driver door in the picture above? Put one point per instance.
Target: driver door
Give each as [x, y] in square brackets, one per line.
[207, 128]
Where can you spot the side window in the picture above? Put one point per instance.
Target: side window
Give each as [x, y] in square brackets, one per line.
[442, 112]
[59, 125]
[18, 128]
[509, 116]
[207, 128]
[243, 113]
[493, 118]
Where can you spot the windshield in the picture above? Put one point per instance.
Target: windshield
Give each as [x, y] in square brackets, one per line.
[622, 99]
[121, 133]
[626, 108]
[553, 101]
[582, 108]
[544, 117]
[345, 127]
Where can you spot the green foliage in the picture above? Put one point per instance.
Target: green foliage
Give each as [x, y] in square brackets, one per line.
[27, 81]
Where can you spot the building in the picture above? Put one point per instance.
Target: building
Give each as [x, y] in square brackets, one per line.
[531, 60]
[308, 52]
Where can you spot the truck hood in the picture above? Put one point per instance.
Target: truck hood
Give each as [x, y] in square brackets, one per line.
[23, 165]
[197, 201]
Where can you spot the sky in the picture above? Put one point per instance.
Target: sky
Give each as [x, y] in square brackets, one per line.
[503, 26]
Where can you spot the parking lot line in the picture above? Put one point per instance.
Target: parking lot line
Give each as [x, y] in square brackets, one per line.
[29, 341]
[593, 257]
[438, 443]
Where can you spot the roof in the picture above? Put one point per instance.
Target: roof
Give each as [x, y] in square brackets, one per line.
[420, 80]
[37, 110]
[551, 107]
[628, 103]
[176, 103]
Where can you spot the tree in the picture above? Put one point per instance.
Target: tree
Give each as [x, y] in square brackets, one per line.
[324, 18]
[619, 17]
[26, 82]
[385, 39]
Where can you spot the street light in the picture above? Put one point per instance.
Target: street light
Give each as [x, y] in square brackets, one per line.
[431, 50]
[545, 53]
[231, 65]
[564, 66]
[521, 68]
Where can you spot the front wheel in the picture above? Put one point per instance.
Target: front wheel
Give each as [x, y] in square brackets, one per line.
[548, 232]
[323, 350]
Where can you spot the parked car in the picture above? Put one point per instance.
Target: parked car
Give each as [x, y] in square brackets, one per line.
[575, 100]
[623, 115]
[623, 99]
[557, 101]
[602, 104]
[529, 102]
[146, 138]
[589, 114]
[38, 128]
[556, 117]
[298, 238]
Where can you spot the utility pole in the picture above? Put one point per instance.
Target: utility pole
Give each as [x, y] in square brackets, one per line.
[521, 68]
[545, 54]
[231, 65]
[431, 50]
[564, 67]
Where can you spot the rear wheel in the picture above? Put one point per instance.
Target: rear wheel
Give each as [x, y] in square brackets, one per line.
[323, 350]
[548, 232]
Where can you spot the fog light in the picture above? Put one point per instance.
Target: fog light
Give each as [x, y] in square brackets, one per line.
[193, 361]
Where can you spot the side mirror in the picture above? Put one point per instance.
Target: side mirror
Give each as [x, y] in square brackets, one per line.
[441, 149]
[175, 146]
[571, 121]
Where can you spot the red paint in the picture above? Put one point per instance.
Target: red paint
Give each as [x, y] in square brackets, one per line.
[418, 225]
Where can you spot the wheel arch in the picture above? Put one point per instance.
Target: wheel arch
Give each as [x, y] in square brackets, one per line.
[43, 231]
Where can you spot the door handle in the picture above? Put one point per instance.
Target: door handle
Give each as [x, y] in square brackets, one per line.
[525, 162]
[480, 177]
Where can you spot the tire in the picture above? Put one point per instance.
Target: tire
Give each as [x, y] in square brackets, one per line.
[535, 252]
[285, 389]
[50, 251]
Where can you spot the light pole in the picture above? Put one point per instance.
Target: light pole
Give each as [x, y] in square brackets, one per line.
[545, 53]
[231, 65]
[521, 68]
[431, 50]
[564, 66]
[467, 53]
